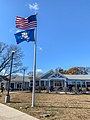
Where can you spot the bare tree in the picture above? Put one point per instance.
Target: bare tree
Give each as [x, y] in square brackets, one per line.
[5, 58]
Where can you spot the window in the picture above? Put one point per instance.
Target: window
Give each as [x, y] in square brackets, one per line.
[42, 83]
[74, 83]
[37, 83]
[47, 83]
[58, 83]
[83, 84]
[78, 84]
[69, 82]
[12, 85]
[2, 84]
[53, 76]
[31, 83]
[19, 85]
[88, 84]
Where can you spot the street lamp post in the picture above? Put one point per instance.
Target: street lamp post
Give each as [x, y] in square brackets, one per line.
[7, 98]
[23, 78]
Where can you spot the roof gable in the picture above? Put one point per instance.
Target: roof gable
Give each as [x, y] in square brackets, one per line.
[52, 74]
[47, 75]
[57, 74]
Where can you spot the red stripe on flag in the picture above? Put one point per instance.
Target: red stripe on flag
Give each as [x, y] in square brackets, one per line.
[23, 23]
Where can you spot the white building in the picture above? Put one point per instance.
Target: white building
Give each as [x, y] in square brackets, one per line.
[55, 78]
[17, 83]
[50, 79]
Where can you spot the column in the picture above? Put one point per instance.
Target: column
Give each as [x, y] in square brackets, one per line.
[85, 84]
[49, 86]
[65, 85]
[39, 83]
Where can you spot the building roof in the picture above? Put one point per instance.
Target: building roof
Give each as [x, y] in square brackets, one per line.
[52, 73]
[20, 79]
[47, 74]
[3, 78]
[78, 77]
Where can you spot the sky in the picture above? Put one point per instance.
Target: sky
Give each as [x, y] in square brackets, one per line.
[63, 32]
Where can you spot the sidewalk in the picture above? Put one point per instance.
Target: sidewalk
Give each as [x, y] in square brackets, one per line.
[8, 113]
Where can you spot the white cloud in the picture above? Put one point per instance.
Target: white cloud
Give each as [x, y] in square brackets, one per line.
[3, 72]
[34, 6]
[19, 74]
[40, 48]
[39, 70]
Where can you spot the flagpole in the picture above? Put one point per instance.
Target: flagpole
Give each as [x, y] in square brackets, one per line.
[34, 68]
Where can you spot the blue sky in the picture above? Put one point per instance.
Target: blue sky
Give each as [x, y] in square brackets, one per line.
[63, 32]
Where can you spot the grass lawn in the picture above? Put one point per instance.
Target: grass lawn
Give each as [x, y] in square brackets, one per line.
[60, 107]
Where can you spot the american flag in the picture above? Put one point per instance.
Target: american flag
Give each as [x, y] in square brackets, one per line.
[26, 23]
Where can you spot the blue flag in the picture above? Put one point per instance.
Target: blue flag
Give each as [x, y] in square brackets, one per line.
[27, 35]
